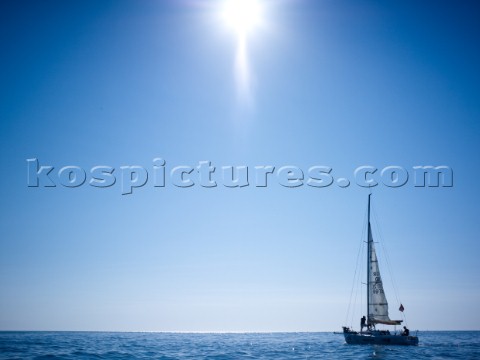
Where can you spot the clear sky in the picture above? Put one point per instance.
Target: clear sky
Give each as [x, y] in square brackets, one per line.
[331, 83]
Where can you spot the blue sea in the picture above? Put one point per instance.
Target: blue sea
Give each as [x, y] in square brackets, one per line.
[110, 345]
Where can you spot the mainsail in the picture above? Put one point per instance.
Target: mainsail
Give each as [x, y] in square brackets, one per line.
[377, 301]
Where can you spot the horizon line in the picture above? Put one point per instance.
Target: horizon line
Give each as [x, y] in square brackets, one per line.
[216, 332]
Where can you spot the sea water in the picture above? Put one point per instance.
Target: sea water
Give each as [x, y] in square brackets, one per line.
[110, 345]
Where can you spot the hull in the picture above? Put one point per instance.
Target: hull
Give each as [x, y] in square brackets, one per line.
[377, 338]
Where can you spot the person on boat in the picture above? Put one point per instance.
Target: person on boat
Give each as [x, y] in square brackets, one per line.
[405, 332]
[362, 322]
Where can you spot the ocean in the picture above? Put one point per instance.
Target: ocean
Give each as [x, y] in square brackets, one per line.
[168, 346]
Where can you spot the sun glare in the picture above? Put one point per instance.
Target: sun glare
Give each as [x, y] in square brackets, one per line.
[242, 15]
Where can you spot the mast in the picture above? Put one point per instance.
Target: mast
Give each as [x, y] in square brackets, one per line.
[369, 255]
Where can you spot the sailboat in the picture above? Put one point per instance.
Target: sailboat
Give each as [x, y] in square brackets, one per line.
[377, 307]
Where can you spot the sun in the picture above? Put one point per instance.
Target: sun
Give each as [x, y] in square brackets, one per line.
[242, 15]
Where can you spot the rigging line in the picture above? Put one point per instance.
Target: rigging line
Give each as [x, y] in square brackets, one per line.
[352, 314]
[354, 279]
[360, 250]
[358, 288]
[387, 258]
[359, 284]
[405, 318]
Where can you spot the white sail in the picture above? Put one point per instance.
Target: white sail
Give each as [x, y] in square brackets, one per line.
[378, 305]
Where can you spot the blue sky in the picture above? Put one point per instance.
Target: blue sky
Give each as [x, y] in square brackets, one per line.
[334, 83]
